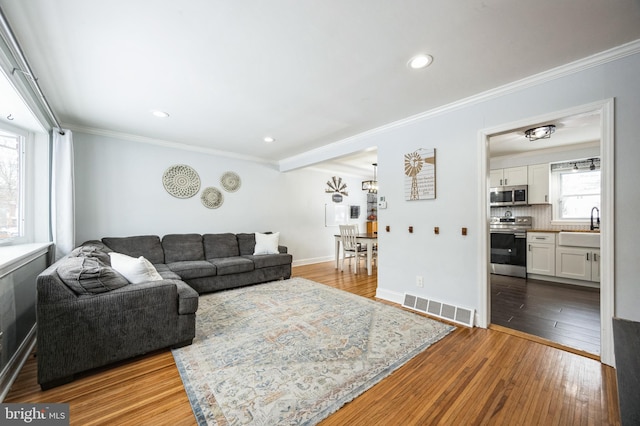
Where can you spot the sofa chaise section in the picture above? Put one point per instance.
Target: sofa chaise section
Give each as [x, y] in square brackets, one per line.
[79, 331]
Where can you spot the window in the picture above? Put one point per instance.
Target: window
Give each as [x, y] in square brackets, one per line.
[576, 187]
[11, 186]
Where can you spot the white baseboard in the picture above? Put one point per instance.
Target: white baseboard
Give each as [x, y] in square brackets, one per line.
[390, 296]
[311, 261]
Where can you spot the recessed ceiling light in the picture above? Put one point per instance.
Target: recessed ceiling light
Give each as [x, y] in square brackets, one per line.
[160, 114]
[420, 61]
[269, 139]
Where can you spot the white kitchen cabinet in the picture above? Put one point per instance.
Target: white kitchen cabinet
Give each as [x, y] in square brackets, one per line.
[595, 265]
[578, 263]
[538, 181]
[541, 253]
[495, 178]
[508, 176]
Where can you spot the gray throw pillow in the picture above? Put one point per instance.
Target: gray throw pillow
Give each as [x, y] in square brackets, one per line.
[87, 275]
[91, 251]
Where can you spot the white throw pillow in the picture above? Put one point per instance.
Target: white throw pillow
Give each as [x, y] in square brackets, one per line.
[267, 243]
[134, 270]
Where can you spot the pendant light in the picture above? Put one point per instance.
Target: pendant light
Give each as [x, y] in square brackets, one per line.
[371, 185]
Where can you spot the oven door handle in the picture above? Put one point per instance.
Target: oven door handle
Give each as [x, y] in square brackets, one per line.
[519, 235]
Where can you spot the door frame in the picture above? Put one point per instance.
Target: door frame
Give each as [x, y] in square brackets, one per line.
[606, 110]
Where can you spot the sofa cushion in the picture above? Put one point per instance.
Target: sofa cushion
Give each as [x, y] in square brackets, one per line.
[232, 265]
[267, 260]
[220, 245]
[148, 246]
[192, 269]
[246, 243]
[87, 275]
[266, 243]
[181, 247]
[136, 270]
[165, 272]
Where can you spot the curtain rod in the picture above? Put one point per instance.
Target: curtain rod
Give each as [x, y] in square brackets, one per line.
[25, 68]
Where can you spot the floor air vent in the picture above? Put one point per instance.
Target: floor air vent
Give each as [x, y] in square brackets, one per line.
[449, 312]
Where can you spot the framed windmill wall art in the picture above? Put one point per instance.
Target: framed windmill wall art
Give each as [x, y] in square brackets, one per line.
[336, 187]
[420, 175]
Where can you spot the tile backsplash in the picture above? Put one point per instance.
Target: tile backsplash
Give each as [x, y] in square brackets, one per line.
[541, 215]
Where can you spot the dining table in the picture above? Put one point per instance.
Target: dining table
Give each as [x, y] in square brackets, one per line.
[366, 239]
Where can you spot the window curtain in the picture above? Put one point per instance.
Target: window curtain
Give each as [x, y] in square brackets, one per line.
[62, 193]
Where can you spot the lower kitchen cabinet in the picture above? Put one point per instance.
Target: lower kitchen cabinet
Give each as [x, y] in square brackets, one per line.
[578, 263]
[541, 253]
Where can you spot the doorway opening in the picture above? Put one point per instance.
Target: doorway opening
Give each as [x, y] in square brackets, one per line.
[552, 307]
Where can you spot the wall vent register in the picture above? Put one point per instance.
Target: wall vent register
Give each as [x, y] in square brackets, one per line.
[453, 313]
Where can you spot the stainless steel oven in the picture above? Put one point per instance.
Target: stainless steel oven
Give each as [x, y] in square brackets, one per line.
[509, 245]
[509, 196]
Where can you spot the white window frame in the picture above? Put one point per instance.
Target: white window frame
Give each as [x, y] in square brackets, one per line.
[26, 187]
[557, 201]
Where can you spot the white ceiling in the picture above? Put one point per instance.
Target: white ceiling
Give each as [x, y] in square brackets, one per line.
[308, 73]
[580, 129]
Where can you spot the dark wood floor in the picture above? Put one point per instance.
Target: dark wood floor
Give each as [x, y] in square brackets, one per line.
[566, 314]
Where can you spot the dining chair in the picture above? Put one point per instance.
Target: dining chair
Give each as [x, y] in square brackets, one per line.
[350, 247]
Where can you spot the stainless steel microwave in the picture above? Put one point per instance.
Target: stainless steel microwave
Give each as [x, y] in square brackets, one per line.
[509, 196]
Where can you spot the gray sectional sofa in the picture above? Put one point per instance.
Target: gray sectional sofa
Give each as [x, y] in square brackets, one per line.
[89, 315]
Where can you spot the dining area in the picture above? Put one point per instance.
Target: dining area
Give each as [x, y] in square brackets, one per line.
[353, 246]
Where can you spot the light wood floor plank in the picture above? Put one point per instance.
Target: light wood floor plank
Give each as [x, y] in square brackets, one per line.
[471, 377]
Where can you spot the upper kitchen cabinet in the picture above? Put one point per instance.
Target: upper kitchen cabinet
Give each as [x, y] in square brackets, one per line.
[509, 176]
[538, 181]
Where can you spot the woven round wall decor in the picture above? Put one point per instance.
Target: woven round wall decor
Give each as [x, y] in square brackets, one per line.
[230, 181]
[181, 181]
[211, 197]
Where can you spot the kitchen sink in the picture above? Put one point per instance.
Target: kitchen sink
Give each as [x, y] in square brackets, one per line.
[579, 239]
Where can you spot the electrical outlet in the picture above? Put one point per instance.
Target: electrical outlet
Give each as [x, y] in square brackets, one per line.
[419, 281]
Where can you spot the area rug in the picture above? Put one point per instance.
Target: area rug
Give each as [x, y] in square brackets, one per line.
[293, 352]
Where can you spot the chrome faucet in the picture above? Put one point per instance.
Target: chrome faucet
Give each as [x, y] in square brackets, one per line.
[597, 225]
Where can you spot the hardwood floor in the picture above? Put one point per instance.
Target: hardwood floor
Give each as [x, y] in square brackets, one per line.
[472, 376]
[565, 314]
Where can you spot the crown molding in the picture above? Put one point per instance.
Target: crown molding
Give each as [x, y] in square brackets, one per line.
[341, 147]
[166, 144]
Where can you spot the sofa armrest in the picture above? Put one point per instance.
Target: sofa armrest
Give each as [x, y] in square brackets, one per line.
[283, 249]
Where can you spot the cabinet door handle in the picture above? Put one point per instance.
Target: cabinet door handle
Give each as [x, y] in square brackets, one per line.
[505, 181]
[587, 257]
[529, 247]
[546, 198]
[595, 257]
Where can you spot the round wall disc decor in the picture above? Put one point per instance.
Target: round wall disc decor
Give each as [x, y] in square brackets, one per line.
[211, 197]
[230, 181]
[181, 181]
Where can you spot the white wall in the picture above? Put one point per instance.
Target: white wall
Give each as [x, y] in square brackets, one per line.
[449, 262]
[119, 192]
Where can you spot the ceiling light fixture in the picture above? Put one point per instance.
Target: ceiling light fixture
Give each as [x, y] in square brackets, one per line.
[420, 61]
[160, 114]
[540, 132]
[371, 185]
[269, 139]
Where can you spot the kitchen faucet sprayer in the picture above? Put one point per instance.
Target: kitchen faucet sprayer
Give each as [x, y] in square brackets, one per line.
[597, 225]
